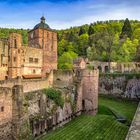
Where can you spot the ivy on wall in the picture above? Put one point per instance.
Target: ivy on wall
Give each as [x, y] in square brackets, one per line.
[54, 95]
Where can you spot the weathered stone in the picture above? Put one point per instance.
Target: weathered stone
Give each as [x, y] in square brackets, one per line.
[134, 130]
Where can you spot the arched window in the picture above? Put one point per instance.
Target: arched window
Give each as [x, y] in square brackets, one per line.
[52, 47]
[100, 68]
[15, 43]
[106, 69]
[34, 71]
[2, 109]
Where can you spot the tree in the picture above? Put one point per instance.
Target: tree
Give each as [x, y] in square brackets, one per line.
[138, 54]
[127, 51]
[91, 53]
[104, 42]
[136, 34]
[66, 60]
[83, 44]
[91, 30]
[72, 37]
[62, 46]
[126, 29]
[82, 31]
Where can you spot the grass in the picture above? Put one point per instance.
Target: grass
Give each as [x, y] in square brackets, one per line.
[121, 106]
[103, 126]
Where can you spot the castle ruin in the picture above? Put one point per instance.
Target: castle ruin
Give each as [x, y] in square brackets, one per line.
[25, 72]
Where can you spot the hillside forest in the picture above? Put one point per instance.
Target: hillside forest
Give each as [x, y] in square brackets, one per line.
[113, 40]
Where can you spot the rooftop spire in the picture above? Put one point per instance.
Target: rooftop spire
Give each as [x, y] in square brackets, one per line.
[42, 19]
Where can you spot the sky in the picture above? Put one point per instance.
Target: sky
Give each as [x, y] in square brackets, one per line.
[62, 14]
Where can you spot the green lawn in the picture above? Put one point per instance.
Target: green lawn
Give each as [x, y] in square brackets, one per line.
[103, 126]
[123, 107]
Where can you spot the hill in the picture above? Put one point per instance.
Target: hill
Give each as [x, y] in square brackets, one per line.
[114, 40]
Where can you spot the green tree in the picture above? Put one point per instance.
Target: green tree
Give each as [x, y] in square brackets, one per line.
[83, 44]
[91, 53]
[91, 30]
[62, 46]
[127, 52]
[136, 34]
[66, 60]
[138, 54]
[82, 31]
[104, 42]
[72, 37]
[126, 29]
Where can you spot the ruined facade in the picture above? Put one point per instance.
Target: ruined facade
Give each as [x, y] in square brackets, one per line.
[122, 67]
[26, 111]
[124, 86]
[35, 60]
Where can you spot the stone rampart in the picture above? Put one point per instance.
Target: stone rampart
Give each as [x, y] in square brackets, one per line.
[134, 130]
[31, 107]
[5, 113]
[120, 86]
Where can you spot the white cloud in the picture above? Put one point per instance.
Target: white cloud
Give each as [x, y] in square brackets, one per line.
[61, 16]
[112, 13]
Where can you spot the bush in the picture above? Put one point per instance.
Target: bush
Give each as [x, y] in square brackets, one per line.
[54, 95]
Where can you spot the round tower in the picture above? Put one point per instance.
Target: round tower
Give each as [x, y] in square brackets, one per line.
[90, 91]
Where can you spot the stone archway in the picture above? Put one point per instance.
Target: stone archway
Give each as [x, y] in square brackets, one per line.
[100, 69]
[106, 69]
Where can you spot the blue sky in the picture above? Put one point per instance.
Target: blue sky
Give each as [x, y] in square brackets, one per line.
[61, 14]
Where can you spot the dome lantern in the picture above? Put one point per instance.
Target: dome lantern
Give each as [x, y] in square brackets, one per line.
[42, 24]
[42, 19]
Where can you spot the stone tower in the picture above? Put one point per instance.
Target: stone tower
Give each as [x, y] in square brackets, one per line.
[43, 37]
[87, 91]
[15, 60]
[90, 91]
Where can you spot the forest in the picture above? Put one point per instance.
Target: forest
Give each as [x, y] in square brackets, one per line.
[113, 40]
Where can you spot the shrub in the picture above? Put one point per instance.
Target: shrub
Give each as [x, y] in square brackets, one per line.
[54, 95]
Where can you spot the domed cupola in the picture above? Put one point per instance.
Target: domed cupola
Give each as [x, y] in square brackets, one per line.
[42, 24]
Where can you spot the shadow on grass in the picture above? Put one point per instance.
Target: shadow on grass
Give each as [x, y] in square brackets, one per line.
[104, 110]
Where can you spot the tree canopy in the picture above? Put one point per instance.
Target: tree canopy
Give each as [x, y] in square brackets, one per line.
[113, 40]
[126, 29]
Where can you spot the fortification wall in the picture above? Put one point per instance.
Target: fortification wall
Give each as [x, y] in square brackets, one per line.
[134, 131]
[29, 84]
[31, 108]
[5, 113]
[120, 86]
[90, 90]
[63, 75]
[44, 114]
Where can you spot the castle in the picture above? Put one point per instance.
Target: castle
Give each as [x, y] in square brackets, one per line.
[26, 72]
[35, 60]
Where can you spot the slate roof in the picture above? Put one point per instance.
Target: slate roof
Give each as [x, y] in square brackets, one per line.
[42, 24]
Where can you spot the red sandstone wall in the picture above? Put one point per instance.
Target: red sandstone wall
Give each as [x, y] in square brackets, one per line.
[90, 90]
[5, 113]
[15, 55]
[47, 40]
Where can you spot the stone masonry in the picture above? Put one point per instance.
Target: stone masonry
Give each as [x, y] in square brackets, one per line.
[26, 72]
[134, 130]
[121, 86]
[27, 112]
[34, 60]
